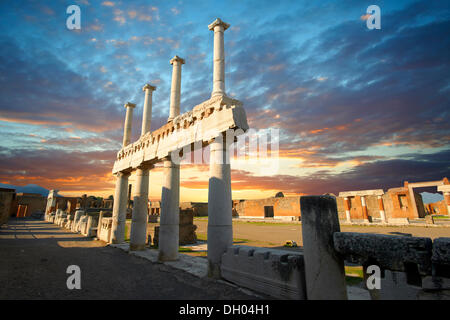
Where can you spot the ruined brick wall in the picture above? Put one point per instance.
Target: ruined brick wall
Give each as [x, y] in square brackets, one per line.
[438, 207]
[282, 207]
[33, 202]
[356, 210]
[400, 204]
[7, 197]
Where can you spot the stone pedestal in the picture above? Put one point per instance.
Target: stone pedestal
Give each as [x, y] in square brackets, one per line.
[138, 234]
[325, 275]
[119, 208]
[220, 230]
[170, 211]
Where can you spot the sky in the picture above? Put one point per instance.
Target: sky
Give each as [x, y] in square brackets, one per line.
[355, 108]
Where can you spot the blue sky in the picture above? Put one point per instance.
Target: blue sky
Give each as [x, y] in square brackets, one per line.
[357, 108]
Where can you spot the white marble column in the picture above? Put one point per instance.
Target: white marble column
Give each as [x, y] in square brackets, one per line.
[218, 26]
[128, 121]
[119, 214]
[138, 233]
[170, 213]
[147, 113]
[220, 230]
[175, 92]
[170, 197]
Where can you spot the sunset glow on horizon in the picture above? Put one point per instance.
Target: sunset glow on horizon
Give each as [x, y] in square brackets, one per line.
[355, 108]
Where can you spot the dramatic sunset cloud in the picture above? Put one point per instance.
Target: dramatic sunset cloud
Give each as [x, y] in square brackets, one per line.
[355, 108]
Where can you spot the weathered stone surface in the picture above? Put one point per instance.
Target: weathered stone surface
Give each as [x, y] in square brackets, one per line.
[104, 231]
[398, 221]
[278, 273]
[325, 275]
[204, 123]
[393, 253]
[441, 251]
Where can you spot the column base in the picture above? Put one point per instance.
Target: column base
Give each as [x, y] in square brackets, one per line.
[167, 257]
[214, 271]
[114, 241]
[168, 242]
[137, 247]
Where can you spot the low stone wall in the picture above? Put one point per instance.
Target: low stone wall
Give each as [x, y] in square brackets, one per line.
[278, 273]
[411, 267]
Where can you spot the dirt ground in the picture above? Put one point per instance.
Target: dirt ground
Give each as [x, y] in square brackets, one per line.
[266, 234]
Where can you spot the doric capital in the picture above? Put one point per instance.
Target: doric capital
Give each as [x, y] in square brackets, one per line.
[123, 174]
[177, 58]
[218, 22]
[149, 87]
[130, 105]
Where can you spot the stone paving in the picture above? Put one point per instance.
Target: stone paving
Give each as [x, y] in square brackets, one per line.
[34, 256]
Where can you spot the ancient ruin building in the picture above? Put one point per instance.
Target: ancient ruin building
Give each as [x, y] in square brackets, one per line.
[7, 198]
[283, 208]
[396, 203]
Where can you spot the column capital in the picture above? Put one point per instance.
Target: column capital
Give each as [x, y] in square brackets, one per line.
[148, 87]
[218, 22]
[130, 105]
[177, 59]
[122, 174]
[145, 166]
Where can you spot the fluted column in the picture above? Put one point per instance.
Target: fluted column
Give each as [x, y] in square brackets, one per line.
[128, 121]
[138, 233]
[119, 214]
[147, 112]
[175, 92]
[218, 26]
[170, 213]
[220, 230]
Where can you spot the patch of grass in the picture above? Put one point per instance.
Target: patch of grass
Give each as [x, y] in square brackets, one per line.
[264, 223]
[127, 239]
[354, 275]
[202, 237]
[441, 217]
[354, 271]
[184, 249]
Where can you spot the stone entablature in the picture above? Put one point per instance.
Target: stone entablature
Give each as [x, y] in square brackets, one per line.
[205, 122]
[375, 192]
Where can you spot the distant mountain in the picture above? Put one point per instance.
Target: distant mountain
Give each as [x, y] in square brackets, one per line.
[29, 188]
[428, 197]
